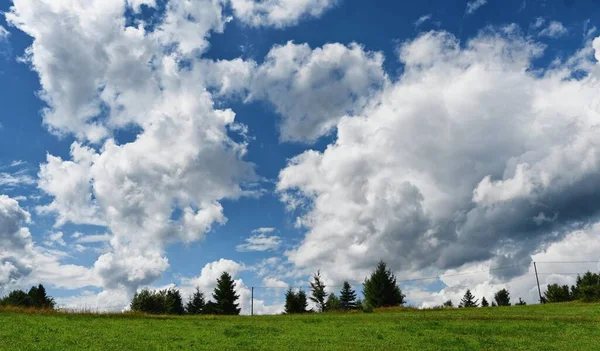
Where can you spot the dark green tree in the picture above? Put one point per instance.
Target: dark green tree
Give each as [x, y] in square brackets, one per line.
[146, 301]
[196, 302]
[469, 300]
[18, 298]
[557, 293]
[333, 303]
[40, 298]
[448, 304]
[347, 297]
[210, 308]
[291, 302]
[587, 288]
[380, 289]
[173, 302]
[225, 296]
[317, 290]
[502, 298]
[302, 302]
[484, 302]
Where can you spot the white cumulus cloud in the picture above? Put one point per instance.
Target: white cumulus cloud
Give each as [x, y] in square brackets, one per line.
[454, 162]
[278, 13]
[313, 89]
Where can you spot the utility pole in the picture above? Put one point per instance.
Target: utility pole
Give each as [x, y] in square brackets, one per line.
[538, 282]
[252, 303]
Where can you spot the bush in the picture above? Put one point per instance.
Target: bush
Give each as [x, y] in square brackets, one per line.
[35, 298]
[166, 301]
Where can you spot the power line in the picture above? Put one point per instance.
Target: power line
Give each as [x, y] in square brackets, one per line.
[559, 262]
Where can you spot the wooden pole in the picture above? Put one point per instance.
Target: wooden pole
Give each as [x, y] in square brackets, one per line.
[538, 282]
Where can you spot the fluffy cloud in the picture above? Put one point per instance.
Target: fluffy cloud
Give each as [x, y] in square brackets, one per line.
[23, 263]
[261, 242]
[554, 30]
[104, 73]
[579, 246]
[454, 163]
[474, 5]
[166, 185]
[328, 83]
[278, 13]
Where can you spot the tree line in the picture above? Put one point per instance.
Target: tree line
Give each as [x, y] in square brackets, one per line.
[36, 297]
[379, 290]
[586, 289]
[169, 301]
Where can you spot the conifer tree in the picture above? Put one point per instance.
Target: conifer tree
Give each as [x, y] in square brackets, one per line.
[225, 296]
[317, 289]
[380, 290]
[302, 302]
[196, 302]
[291, 302]
[173, 302]
[332, 303]
[502, 298]
[469, 300]
[484, 302]
[347, 297]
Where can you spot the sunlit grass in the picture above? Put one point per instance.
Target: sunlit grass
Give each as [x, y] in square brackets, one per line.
[571, 326]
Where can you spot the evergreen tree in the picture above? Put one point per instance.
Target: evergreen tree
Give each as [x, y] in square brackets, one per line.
[332, 303]
[380, 290]
[556, 293]
[494, 304]
[196, 302]
[484, 302]
[291, 302]
[173, 302]
[448, 304]
[225, 296]
[469, 300]
[347, 297]
[18, 298]
[502, 298]
[317, 289]
[211, 308]
[587, 288]
[39, 297]
[302, 301]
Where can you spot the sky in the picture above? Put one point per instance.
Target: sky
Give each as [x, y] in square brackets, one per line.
[155, 143]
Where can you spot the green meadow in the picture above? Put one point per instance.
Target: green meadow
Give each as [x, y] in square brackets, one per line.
[571, 326]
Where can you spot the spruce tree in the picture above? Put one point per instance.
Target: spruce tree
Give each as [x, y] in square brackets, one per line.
[380, 290]
[291, 302]
[196, 303]
[225, 296]
[302, 302]
[317, 289]
[332, 303]
[484, 302]
[502, 298]
[347, 297]
[468, 300]
[173, 302]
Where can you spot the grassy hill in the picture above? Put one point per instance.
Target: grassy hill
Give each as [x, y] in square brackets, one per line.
[548, 327]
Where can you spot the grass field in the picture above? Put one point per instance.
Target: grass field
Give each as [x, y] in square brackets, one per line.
[549, 327]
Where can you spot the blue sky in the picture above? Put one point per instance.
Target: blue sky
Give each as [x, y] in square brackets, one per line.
[88, 153]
